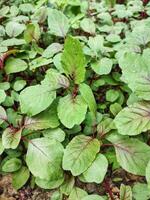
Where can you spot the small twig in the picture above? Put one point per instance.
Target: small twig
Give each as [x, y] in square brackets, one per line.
[75, 91]
[107, 187]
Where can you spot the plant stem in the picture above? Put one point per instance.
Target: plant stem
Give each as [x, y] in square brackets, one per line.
[75, 91]
[107, 187]
[5, 55]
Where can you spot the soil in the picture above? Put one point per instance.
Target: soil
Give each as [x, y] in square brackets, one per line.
[26, 193]
[110, 186]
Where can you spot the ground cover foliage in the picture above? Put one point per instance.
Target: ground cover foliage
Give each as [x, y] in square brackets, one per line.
[75, 96]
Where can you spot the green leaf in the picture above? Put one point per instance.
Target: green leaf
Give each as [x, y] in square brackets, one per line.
[67, 186]
[54, 182]
[35, 99]
[115, 108]
[88, 26]
[3, 115]
[57, 62]
[13, 29]
[92, 197]
[40, 14]
[26, 8]
[80, 153]
[96, 43]
[125, 192]
[55, 80]
[14, 118]
[88, 96]
[44, 120]
[77, 194]
[11, 138]
[71, 111]
[4, 85]
[141, 191]
[14, 10]
[134, 119]
[14, 65]
[20, 177]
[57, 134]
[12, 165]
[38, 62]
[96, 172]
[57, 195]
[148, 174]
[112, 95]
[132, 154]
[52, 49]
[13, 42]
[113, 38]
[105, 126]
[135, 70]
[138, 39]
[73, 60]
[44, 157]
[2, 97]
[58, 23]
[32, 33]
[1, 146]
[104, 66]
[19, 85]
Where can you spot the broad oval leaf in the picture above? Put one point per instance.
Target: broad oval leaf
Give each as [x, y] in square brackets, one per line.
[73, 60]
[55, 181]
[96, 43]
[135, 72]
[19, 85]
[80, 153]
[44, 120]
[57, 195]
[67, 186]
[32, 33]
[58, 23]
[141, 191]
[77, 194]
[14, 65]
[38, 62]
[44, 157]
[55, 80]
[96, 172]
[12, 165]
[125, 192]
[14, 29]
[134, 119]
[88, 25]
[13, 42]
[71, 111]
[132, 154]
[52, 49]
[103, 66]
[11, 138]
[105, 126]
[35, 99]
[57, 134]
[19, 178]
